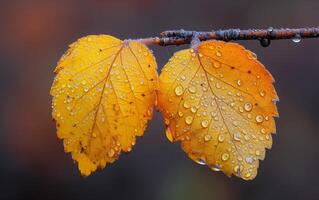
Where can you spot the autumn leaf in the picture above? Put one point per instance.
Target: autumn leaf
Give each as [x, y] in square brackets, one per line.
[103, 95]
[219, 101]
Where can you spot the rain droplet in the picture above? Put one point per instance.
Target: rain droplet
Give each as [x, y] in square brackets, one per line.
[248, 106]
[201, 162]
[225, 156]
[169, 134]
[193, 109]
[207, 137]
[180, 114]
[221, 138]
[262, 93]
[239, 82]
[192, 89]
[216, 64]
[259, 118]
[205, 123]
[86, 89]
[249, 159]
[263, 130]
[214, 114]
[237, 136]
[297, 38]
[218, 53]
[179, 90]
[216, 168]
[257, 153]
[217, 85]
[247, 175]
[186, 104]
[200, 55]
[188, 120]
[111, 153]
[83, 82]
[237, 169]
[241, 109]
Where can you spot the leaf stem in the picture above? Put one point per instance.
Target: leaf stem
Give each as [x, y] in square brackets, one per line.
[179, 37]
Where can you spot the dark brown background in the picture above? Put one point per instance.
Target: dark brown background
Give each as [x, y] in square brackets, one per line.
[34, 34]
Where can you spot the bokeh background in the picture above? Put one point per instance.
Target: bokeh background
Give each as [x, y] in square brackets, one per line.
[33, 165]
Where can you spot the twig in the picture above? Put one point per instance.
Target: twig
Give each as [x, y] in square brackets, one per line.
[179, 37]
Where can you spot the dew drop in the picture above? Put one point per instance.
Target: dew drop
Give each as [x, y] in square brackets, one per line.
[297, 38]
[262, 93]
[201, 162]
[83, 82]
[86, 89]
[237, 136]
[221, 138]
[249, 159]
[214, 114]
[186, 104]
[247, 175]
[169, 134]
[188, 120]
[248, 106]
[216, 65]
[237, 169]
[257, 153]
[218, 53]
[216, 168]
[111, 153]
[205, 123]
[241, 109]
[263, 130]
[238, 82]
[180, 114]
[179, 90]
[225, 156]
[259, 118]
[217, 85]
[193, 109]
[207, 137]
[192, 89]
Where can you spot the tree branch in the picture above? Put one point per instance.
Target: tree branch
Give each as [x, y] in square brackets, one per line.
[179, 37]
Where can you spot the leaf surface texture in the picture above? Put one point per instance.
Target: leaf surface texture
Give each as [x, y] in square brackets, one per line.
[219, 102]
[103, 96]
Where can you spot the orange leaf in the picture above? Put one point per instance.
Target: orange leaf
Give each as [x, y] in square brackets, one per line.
[103, 96]
[218, 100]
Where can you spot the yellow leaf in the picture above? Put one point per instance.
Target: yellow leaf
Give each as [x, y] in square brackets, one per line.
[103, 96]
[219, 101]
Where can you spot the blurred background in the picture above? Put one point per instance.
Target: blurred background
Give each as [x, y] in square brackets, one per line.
[33, 165]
